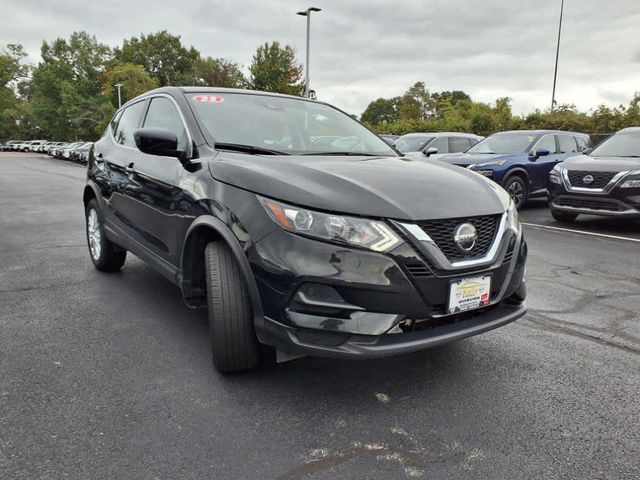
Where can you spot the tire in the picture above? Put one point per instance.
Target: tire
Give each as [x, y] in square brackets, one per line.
[516, 187]
[105, 255]
[233, 339]
[563, 217]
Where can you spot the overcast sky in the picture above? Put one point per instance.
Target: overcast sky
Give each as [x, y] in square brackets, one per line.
[365, 49]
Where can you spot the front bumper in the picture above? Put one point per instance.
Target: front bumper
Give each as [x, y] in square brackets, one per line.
[623, 203]
[375, 304]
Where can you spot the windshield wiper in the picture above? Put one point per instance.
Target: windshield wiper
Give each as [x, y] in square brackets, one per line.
[353, 154]
[252, 149]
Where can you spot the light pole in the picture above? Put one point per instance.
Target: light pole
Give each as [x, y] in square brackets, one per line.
[555, 72]
[307, 13]
[119, 86]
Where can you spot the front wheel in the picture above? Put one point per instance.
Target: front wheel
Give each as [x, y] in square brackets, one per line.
[233, 340]
[516, 187]
[563, 217]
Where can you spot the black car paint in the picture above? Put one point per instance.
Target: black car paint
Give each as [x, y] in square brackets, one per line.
[165, 211]
[627, 198]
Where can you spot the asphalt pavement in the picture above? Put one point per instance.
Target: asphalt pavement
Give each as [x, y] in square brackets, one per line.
[109, 376]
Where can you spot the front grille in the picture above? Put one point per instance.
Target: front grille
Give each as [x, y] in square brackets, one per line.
[441, 232]
[590, 203]
[600, 179]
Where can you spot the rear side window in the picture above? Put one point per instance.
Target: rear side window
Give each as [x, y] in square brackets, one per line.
[163, 113]
[548, 142]
[114, 122]
[567, 144]
[441, 144]
[128, 123]
[458, 144]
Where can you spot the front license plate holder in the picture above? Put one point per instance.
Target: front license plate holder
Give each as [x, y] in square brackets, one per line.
[469, 293]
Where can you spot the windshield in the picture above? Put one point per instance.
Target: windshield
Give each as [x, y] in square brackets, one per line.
[283, 125]
[412, 143]
[621, 145]
[504, 143]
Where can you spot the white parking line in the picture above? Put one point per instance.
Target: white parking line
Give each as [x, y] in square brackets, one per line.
[582, 232]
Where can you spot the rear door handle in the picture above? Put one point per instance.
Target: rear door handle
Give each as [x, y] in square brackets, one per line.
[129, 168]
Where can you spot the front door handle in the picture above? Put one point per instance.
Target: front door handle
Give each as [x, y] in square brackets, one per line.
[129, 168]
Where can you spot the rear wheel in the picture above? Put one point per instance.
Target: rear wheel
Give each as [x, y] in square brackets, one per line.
[563, 217]
[516, 187]
[105, 255]
[233, 340]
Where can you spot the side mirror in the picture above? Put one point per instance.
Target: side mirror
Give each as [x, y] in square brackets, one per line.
[541, 152]
[157, 141]
[587, 151]
[431, 151]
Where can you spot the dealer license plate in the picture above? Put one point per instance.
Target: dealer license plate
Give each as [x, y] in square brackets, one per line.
[469, 293]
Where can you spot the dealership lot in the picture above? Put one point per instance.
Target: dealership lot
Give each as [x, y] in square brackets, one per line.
[110, 376]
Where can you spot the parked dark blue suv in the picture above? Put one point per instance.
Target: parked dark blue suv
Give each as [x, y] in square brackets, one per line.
[521, 160]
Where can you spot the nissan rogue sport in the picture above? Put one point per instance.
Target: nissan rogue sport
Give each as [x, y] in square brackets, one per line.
[300, 230]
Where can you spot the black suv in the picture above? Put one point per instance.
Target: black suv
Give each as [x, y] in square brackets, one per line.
[605, 182]
[300, 229]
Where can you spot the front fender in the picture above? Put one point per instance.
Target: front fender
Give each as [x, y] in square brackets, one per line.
[209, 228]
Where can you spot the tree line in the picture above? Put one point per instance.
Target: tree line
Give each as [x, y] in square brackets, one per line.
[70, 94]
[419, 110]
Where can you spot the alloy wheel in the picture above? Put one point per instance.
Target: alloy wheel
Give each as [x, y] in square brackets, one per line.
[93, 234]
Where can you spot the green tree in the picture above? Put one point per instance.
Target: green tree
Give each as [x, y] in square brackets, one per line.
[163, 55]
[66, 87]
[382, 110]
[135, 80]
[275, 69]
[416, 103]
[219, 72]
[11, 72]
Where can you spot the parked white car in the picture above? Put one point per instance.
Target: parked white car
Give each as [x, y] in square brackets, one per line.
[436, 144]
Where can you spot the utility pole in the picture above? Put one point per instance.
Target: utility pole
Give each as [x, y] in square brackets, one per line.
[555, 72]
[307, 13]
[119, 86]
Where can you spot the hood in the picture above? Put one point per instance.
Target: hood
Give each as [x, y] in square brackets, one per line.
[479, 158]
[389, 187]
[602, 164]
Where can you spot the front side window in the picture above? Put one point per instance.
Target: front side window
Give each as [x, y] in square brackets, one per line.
[441, 144]
[458, 144]
[504, 143]
[567, 144]
[620, 145]
[412, 143]
[582, 143]
[163, 113]
[128, 123]
[547, 142]
[283, 125]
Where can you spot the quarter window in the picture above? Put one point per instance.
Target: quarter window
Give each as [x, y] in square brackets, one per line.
[567, 144]
[128, 123]
[162, 113]
[458, 144]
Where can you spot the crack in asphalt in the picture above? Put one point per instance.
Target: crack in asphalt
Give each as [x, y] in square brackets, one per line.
[561, 276]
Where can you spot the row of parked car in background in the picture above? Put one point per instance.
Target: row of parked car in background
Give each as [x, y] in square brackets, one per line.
[561, 165]
[76, 151]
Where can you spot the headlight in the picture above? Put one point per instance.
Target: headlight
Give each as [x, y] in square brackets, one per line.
[554, 175]
[488, 164]
[631, 183]
[360, 232]
[486, 173]
[513, 223]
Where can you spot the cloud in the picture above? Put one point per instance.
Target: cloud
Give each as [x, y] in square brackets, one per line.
[364, 49]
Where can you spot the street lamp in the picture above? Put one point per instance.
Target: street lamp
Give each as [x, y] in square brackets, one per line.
[307, 13]
[119, 86]
[555, 72]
